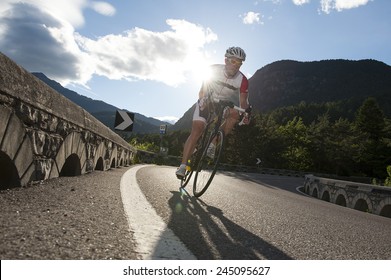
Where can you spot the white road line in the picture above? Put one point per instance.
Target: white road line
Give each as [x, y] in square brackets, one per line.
[153, 239]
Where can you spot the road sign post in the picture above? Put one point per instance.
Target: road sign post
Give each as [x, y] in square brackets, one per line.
[163, 130]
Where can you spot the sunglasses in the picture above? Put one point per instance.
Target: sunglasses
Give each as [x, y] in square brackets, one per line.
[234, 61]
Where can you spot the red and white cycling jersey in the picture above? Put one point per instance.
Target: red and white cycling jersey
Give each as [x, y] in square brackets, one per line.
[223, 88]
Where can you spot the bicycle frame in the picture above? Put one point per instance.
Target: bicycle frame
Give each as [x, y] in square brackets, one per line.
[212, 121]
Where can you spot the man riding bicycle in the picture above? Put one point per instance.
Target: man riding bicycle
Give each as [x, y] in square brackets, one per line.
[226, 83]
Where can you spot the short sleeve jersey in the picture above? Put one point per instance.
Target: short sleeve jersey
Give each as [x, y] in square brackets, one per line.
[225, 88]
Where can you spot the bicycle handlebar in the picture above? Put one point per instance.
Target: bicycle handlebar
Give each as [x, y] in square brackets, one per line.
[232, 105]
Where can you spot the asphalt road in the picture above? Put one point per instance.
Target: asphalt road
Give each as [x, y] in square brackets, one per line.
[66, 218]
[241, 216]
[255, 216]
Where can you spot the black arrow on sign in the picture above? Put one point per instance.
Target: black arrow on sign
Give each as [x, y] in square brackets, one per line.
[124, 120]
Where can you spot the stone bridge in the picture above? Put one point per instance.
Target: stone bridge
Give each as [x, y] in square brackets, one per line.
[44, 135]
[364, 197]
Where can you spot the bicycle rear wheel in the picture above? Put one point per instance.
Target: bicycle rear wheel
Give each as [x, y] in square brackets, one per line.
[207, 167]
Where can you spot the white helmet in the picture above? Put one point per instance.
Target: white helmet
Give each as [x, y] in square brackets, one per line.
[236, 52]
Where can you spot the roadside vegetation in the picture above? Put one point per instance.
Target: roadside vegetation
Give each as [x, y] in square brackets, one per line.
[306, 137]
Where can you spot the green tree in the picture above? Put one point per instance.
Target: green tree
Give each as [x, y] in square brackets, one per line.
[370, 126]
[370, 119]
[319, 134]
[387, 182]
[240, 145]
[294, 135]
[176, 141]
[268, 146]
[145, 144]
[343, 148]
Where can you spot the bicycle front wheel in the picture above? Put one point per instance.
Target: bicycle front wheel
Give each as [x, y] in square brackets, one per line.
[207, 166]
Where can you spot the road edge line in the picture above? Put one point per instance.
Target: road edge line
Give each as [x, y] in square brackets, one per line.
[154, 240]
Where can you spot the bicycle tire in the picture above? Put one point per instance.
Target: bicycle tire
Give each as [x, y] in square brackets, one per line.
[187, 178]
[206, 168]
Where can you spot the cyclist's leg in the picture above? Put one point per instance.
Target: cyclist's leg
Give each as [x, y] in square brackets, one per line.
[196, 131]
[198, 126]
[232, 118]
[188, 149]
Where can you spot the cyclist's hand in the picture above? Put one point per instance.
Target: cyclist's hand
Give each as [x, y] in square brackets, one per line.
[246, 119]
[247, 116]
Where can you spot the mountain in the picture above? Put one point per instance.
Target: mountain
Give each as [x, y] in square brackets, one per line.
[285, 83]
[102, 111]
[184, 123]
[289, 83]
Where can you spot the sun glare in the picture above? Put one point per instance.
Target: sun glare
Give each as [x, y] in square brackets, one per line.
[201, 71]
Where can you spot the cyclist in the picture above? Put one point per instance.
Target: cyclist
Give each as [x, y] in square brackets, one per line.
[226, 83]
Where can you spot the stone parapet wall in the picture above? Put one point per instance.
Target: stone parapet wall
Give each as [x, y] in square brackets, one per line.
[41, 129]
[364, 197]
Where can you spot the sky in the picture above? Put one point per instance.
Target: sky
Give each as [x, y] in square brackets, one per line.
[150, 56]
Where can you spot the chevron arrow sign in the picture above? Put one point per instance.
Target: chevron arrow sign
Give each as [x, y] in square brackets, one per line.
[124, 120]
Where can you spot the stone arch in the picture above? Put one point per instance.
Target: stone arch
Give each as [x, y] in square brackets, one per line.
[99, 157]
[362, 202]
[126, 157]
[385, 207]
[100, 164]
[113, 158]
[120, 154]
[314, 190]
[113, 163]
[9, 176]
[325, 195]
[17, 150]
[341, 198]
[310, 187]
[122, 157]
[72, 166]
[73, 144]
[307, 184]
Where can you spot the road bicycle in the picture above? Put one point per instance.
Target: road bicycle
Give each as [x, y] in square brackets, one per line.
[201, 162]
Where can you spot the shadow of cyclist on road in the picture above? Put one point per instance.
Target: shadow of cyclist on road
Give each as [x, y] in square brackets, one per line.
[210, 235]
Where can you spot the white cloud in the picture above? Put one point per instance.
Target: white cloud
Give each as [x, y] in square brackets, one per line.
[41, 39]
[328, 5]
[40, 42]
[300, 2]
[103, 8]
[273, 1]
[70, 11]
[251, 18]
[147, 55]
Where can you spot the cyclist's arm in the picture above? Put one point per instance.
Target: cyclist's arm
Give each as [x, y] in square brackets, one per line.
[244, 100]
[244, 94]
